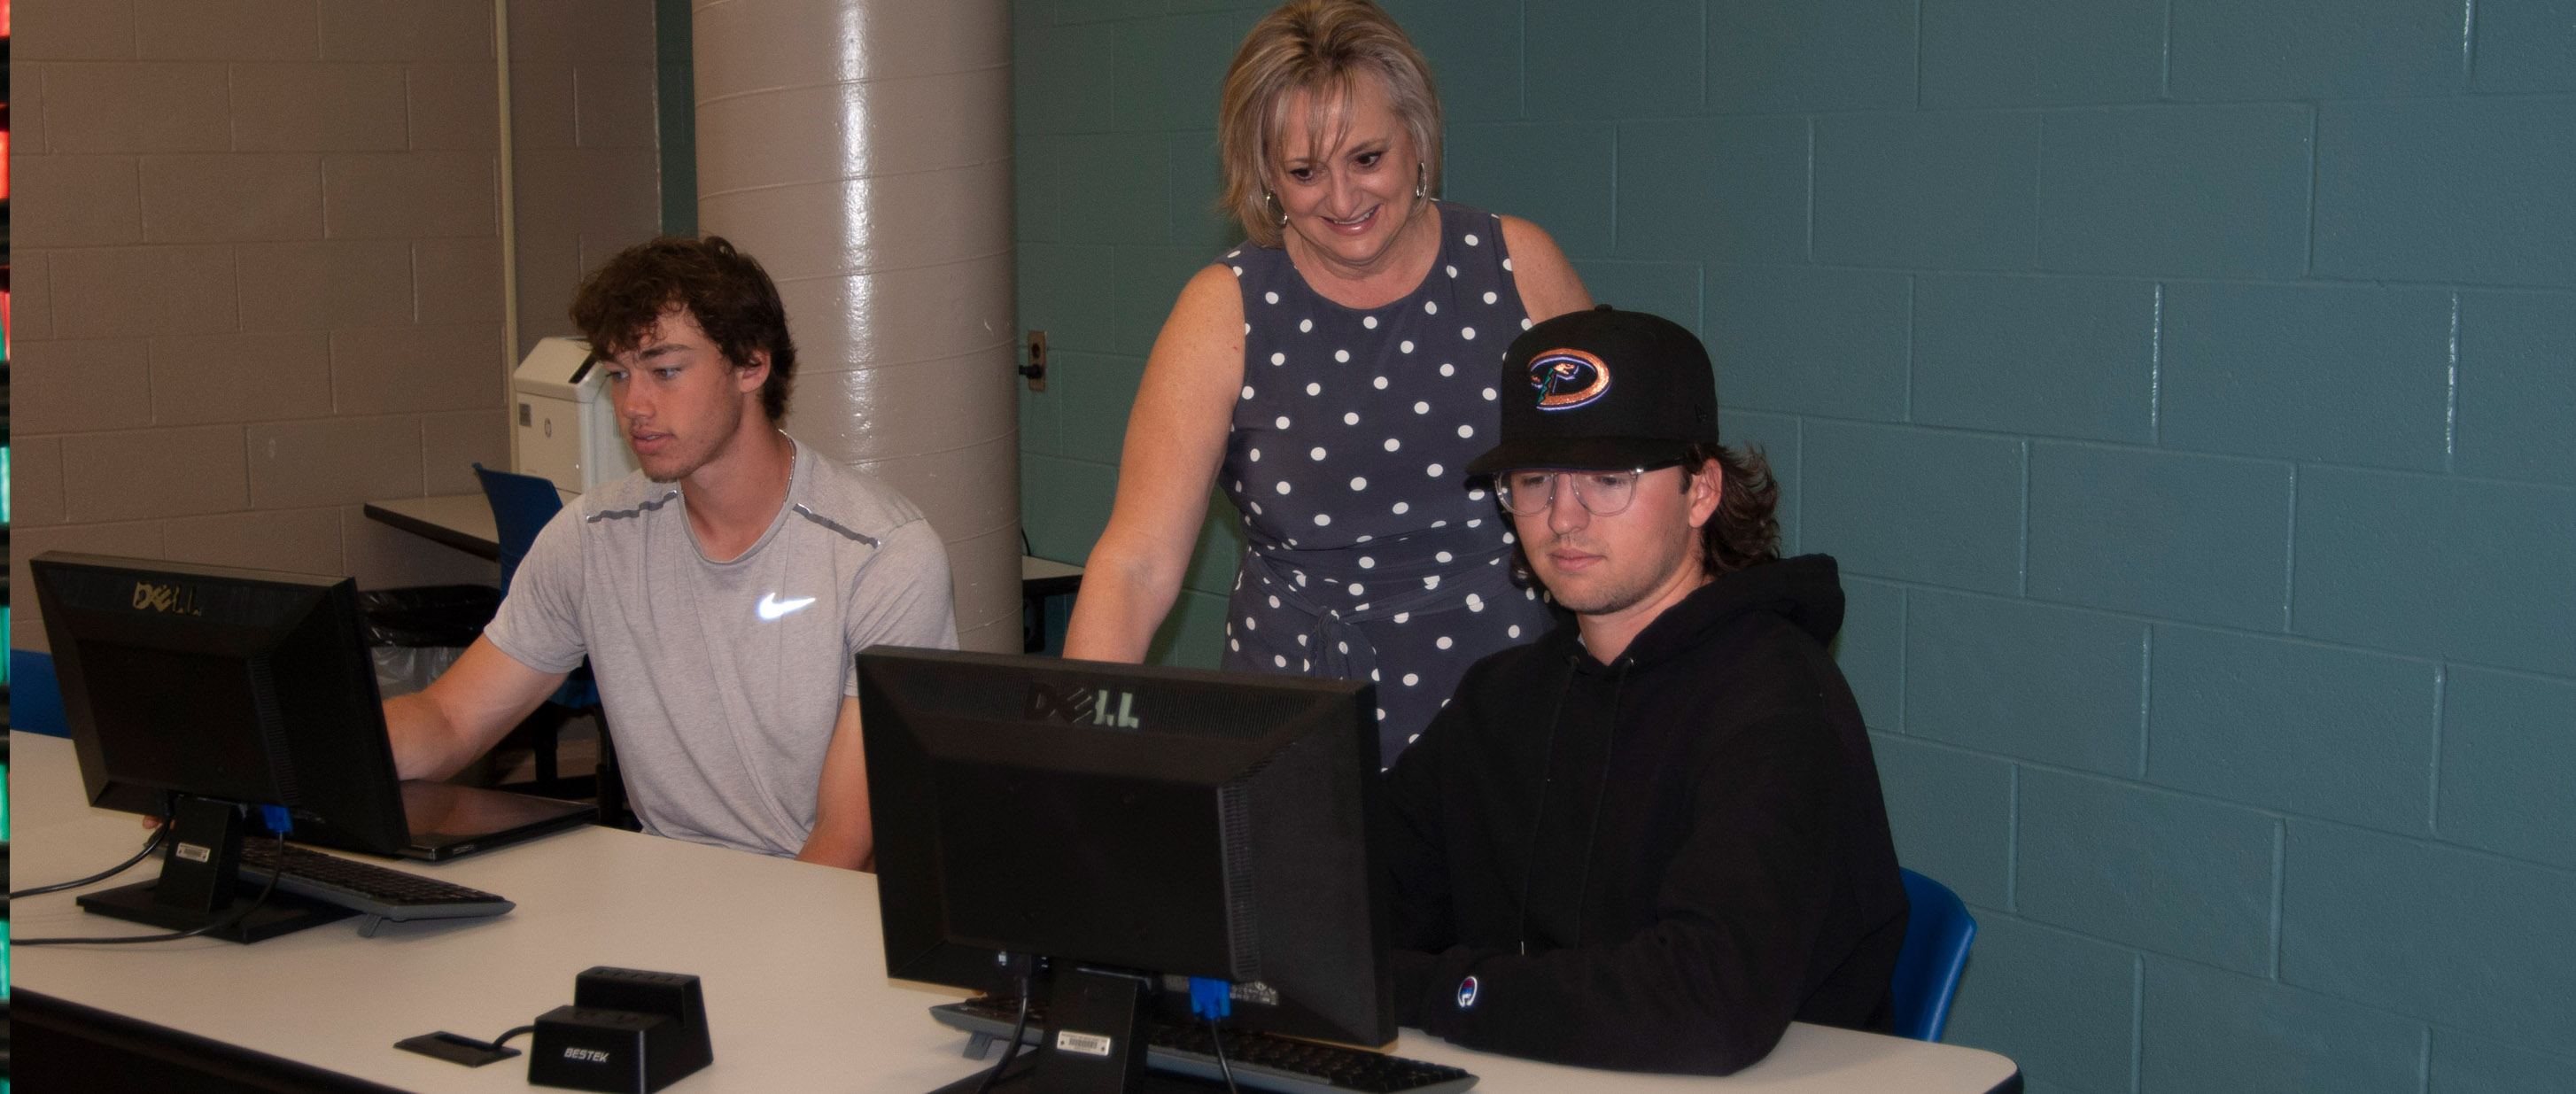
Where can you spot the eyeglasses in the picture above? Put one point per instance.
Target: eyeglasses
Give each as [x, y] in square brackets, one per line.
[1530, 492]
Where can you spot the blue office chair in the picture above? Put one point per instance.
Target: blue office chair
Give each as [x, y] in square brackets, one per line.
[1937, 934]
[521, 506]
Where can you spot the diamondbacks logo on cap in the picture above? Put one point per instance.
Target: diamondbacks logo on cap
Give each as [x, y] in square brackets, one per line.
[1568, 378]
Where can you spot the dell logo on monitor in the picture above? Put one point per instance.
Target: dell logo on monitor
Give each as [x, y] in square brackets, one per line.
[1081, 705]
[174, 599]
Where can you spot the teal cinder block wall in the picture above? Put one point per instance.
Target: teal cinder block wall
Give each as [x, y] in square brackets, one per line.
[2188, 388]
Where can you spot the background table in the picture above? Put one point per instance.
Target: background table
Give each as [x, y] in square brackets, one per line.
[793, 965]
[462, 521]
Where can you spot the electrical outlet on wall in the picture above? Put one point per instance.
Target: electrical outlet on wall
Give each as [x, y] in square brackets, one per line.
[1036, 369]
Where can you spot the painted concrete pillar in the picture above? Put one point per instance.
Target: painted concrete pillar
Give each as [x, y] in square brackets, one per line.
[861, 150]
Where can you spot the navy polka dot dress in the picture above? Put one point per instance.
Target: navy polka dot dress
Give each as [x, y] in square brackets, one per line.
[1370, 558]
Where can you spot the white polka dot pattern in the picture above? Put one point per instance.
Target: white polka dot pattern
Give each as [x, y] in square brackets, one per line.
[1441, 596]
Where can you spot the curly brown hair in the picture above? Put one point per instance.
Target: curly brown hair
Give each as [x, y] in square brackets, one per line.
[1745, 532]
[724, 290]
[1742, 534]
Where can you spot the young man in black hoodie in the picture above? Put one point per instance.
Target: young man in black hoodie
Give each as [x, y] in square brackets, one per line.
[1654, 838]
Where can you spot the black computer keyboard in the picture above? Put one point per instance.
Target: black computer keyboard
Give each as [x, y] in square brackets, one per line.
[1260, 1060]
[368, 889]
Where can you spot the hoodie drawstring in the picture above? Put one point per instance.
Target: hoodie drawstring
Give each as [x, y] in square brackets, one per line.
[1538, 816]
[1600, 794]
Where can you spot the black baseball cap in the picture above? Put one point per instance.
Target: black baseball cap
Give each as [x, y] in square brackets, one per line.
[1603, 389]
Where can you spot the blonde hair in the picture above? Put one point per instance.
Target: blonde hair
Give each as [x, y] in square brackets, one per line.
[1322, 47]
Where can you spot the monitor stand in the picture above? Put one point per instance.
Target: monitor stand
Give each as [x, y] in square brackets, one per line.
[201, 883]
[1094, 1043]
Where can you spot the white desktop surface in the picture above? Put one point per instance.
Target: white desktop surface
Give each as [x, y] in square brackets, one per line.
[789, 954]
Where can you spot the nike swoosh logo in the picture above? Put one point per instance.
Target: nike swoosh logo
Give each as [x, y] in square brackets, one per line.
[772, 608]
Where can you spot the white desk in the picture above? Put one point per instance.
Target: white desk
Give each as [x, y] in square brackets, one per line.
[797, 996]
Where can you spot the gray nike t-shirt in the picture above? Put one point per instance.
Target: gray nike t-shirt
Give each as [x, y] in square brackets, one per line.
[722, 680]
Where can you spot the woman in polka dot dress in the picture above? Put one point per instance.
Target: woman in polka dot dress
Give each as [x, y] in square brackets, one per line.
[1333, 375]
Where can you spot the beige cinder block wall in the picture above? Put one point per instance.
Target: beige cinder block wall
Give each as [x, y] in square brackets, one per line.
[258, 271]
[583, 145]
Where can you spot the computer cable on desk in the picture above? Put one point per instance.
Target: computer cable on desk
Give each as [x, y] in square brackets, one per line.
[238, 914]
[494, 1045]
[1213, 999]
[149, 845]
[1011, 1048]
[1217, 1038]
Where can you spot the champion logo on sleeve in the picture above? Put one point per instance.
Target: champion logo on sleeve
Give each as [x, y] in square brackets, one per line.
[1467, 994]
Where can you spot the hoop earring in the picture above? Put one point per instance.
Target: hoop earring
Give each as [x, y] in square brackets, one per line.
[1270, 200]
[1421, 181]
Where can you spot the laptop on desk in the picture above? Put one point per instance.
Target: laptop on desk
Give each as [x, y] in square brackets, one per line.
[440, 821]
[450, 821]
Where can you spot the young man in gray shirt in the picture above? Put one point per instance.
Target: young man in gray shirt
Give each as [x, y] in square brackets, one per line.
[719, 592]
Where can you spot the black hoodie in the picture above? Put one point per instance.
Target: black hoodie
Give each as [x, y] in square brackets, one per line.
[1736, 875]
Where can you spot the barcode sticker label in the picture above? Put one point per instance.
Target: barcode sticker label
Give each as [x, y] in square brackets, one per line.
[194, 852]
[1089, 1044]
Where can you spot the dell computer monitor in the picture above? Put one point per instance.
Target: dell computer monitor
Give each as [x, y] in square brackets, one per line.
[197, 692]
[1166, 823]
